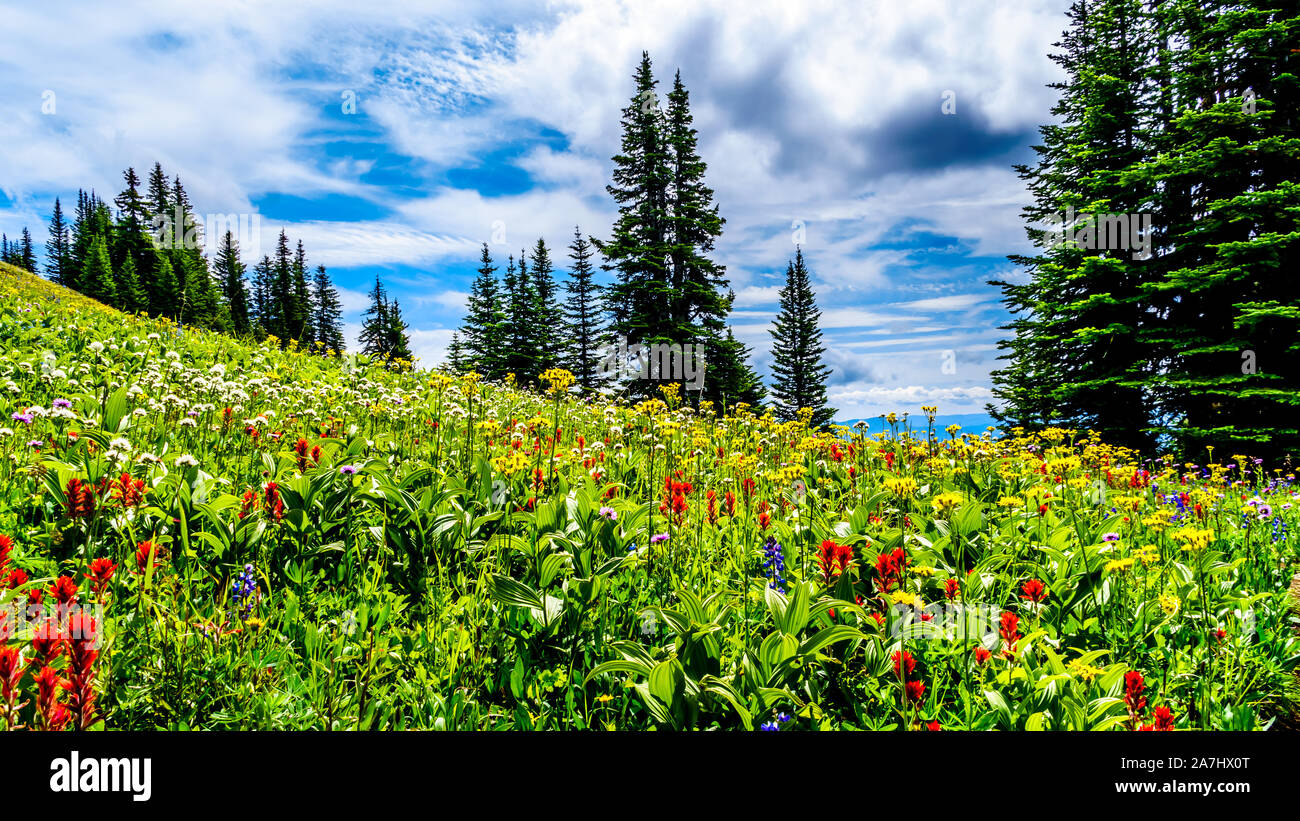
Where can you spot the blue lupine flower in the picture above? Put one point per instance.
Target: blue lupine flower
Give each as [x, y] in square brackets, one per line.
[774, 564]
[245, 592]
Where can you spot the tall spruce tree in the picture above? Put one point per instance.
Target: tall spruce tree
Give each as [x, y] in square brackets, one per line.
[58, 248]
[483, 332]
[550, 315]
[582, 318]
[97, 278]
[798, 372]
[396, 339]
[667, 290]
[230, 272]
[637, 252]
[522, 329]
[1184, 110]
[263, 299]
[301, 322]
[26, 255]
[327, 314]
[131, 295]
[1077, 347]
[375, 324]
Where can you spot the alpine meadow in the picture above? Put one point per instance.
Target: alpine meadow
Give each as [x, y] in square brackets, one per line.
[588, 428]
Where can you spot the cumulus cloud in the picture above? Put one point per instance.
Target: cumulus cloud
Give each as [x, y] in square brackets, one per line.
[820, 122]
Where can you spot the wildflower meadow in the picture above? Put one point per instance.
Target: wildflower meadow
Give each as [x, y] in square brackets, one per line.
[200, 533]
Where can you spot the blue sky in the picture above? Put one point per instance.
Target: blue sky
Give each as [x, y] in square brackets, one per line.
[821, 123]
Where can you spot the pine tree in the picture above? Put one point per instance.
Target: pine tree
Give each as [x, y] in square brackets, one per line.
[300, 323]
[263, 295]
[164, 296]
[160, 196]
[26, 256]
[582, 318]
[455, 354]
[1223, 316]
[397, 341]
[375, 325]
[799, 376]
[666, 290]
[327, 316]
[58, 248]
[522, 326]
[637, 252]
[283, 310]
[550, 315]
[1077, 347]
[230, 272]
[483, 331]
[131, 296]
[97, 278]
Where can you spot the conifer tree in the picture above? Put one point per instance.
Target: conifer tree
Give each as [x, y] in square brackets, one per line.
[160, 194]
[397, 340]
[230, 272]
[582, 317]
[58, 248]
[98, 280]
[483, 331]
[301, 321]
[455, 354]
[521, 329]
[263, 298]
[327, 320]
[799, 376]
[131, 296]
[375, 325]
[549, 341]
[637, 252]
[26, 256]
[1077, 346]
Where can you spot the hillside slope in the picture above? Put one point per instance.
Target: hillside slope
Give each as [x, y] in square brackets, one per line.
[261, 538]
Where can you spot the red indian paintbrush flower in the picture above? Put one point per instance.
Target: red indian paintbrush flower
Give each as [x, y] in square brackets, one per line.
[889, 567]
[1134, 700]
[127, 492]
[6, 547]
[982, 655]
[1164, 718]
[83, 650]
[1033, 591]
[915, 692]
[48, 684]
[833, 559]
[64, 590]
[1009, 630]
[47, 642]
[951, 587]
[145, 552]
[11, 669]
[80, 499]
[271, 501]
[101, 572]
[904, 664]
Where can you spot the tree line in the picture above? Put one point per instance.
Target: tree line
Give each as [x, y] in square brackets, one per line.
[664, 287]
[146, 255]
[1179, 116]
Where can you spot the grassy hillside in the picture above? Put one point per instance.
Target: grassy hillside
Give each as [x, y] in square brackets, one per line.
[265, 539]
